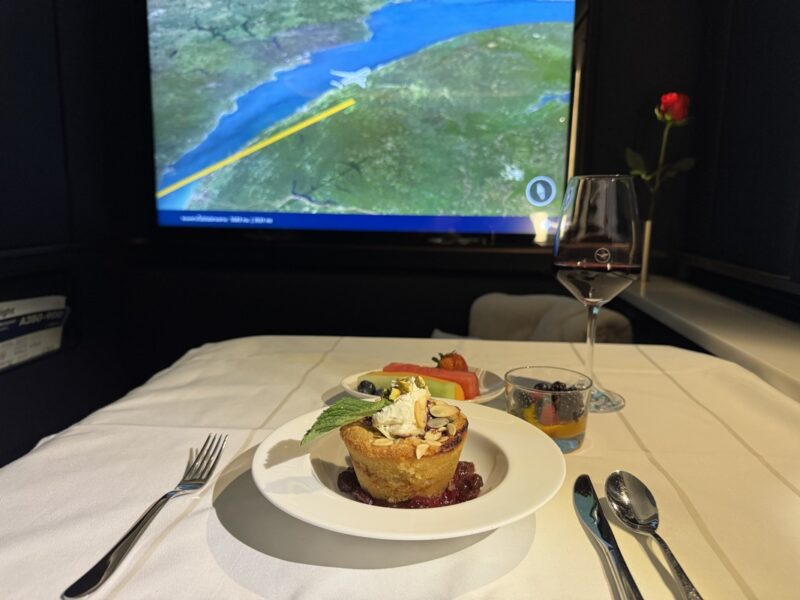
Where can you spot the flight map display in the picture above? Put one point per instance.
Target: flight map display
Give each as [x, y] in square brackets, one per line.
[361, 115]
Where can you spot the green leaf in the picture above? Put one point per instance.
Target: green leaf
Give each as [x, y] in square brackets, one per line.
[635, 161]
[342, 412]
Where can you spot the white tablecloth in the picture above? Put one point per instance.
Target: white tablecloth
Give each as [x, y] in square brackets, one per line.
[718, 447]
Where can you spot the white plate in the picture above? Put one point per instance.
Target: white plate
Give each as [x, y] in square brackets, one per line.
[521, 467]
[490, 386]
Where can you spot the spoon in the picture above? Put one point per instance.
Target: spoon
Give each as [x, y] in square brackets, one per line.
[635, 506]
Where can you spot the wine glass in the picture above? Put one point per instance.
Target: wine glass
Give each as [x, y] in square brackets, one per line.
[597, 254]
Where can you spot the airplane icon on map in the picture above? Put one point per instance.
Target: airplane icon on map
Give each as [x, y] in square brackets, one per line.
[358, 78]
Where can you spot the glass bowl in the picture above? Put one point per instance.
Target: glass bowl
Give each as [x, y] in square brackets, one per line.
[552, 399]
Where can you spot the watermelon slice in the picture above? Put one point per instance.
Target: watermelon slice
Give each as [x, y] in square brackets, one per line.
[466, 379]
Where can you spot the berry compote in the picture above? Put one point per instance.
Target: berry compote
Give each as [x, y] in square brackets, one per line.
[465, 485]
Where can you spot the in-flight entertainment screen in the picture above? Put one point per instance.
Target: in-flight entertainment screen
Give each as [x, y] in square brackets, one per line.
[440, 116]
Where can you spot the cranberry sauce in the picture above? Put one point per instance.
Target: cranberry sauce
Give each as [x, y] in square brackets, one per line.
[465, 485]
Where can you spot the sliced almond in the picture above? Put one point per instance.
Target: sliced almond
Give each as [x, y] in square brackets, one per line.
[443, 439]
[420, 413]
[444, 410]
[451, 429]
[382, 442]
[432, 435]
[421, 450]
[437, 422]
[434, 444]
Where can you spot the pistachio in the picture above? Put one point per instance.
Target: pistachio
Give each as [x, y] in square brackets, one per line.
[444, 410]
[403, 384]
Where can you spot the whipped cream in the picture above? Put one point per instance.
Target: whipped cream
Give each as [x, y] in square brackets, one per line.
[399, 419]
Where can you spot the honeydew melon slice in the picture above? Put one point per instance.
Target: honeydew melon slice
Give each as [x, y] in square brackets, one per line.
[437, 387]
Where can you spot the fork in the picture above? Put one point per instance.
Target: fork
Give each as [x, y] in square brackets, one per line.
[197, 474]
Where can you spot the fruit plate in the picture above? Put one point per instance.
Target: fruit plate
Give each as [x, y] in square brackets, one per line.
[522, 468]
[490, 385]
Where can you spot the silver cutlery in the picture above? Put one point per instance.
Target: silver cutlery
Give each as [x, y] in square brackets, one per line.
[636, 508]
[594, 520]
[195, 477]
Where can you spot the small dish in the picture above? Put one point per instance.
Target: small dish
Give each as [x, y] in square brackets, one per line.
[490, 385]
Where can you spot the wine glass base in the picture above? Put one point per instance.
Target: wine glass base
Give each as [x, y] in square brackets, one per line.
[602, 401]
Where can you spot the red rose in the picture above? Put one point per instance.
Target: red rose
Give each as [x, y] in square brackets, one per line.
[674, 106]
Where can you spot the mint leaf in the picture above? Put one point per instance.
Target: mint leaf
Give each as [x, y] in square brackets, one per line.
[342, 412]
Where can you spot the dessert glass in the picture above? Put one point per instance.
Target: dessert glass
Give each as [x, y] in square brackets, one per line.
[560, 413]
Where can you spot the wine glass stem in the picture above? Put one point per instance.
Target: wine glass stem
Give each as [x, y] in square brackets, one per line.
[591, 328]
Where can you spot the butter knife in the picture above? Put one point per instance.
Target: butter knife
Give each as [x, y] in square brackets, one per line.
[594, 520]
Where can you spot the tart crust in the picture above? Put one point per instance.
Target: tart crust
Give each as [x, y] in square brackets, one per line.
[392, 472]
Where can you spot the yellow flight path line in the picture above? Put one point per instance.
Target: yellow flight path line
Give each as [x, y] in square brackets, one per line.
[256, 147]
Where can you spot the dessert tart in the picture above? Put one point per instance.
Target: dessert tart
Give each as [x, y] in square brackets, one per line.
[409, 449]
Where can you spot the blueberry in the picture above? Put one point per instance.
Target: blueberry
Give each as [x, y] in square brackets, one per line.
[367, 387]
[347, 481]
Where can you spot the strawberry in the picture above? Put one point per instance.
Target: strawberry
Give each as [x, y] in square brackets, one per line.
[452, 361]
[548, 415]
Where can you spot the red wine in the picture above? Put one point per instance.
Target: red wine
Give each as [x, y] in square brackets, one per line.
[595, 283]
